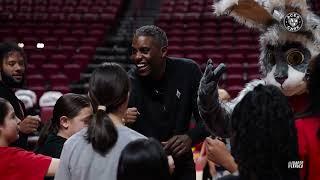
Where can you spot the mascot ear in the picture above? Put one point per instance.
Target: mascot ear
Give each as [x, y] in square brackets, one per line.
[247, 12]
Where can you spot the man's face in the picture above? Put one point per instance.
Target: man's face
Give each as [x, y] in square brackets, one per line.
[147, 55]
[13, 69]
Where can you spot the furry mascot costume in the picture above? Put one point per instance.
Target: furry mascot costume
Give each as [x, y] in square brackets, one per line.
[289, 40]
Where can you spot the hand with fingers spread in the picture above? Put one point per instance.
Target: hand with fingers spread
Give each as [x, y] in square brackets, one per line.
[178, 145]
[29, 125]
[218, 153]
[131, 115]
[207, 92]
[215, 116]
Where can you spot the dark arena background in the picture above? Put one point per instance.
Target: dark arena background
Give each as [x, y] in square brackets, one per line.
[65, 40]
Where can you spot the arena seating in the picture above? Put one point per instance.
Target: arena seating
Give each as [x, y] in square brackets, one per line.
[194, 32]
[70, 31]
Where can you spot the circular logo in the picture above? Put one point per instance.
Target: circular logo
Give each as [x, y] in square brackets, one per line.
[293, 22]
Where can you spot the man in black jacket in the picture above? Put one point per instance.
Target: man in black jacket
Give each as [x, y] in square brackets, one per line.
[163, 98]
[12, 69]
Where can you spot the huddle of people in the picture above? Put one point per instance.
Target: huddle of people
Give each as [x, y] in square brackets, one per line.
[135, 125]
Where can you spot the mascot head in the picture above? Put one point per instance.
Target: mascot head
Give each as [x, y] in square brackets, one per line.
[290, 38]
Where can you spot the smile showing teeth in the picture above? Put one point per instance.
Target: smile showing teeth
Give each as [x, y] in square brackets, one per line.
[141, 65]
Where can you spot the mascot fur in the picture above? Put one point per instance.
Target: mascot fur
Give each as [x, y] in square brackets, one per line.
[289, 40]
[290, 48]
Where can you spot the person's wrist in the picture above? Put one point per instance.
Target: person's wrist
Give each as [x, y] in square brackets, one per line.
[230, 164]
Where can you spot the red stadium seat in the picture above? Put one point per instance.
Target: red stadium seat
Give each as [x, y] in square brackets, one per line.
[96, 33]
[235, 68]
[46, 114]
[25, 9]
[69, 41]
[58, 59]
[90, 17]
[175, 41]
[49, 69]
[72, 71]
[74, 17]
[89, 41]
[253, 69]
[32, 69]
[235, 58]
[253, 58]
[175, 50]
[87, 50]
[63, 89]
[53, 9]
[59, 80]
[191, 41]
[39, 90]
[30, 40]
[80, 59]
[37, 59]
[216, 58]
[82, 8]
[197, 57]
[78, 33]
[50, 41]
[35, 80]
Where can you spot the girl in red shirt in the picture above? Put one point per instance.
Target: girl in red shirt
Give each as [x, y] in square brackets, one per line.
[308, 126]
[16, 163]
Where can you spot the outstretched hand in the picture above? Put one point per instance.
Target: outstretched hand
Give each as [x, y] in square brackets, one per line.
[208, 85]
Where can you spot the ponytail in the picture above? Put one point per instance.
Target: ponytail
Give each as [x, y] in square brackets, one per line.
[102, 133]
[48, 128]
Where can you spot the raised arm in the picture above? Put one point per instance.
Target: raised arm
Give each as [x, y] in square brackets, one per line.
[216, 117]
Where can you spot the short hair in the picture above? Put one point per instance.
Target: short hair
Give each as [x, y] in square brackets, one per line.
[151, 30]
[143, 159]
[7, 47]
[264, 137]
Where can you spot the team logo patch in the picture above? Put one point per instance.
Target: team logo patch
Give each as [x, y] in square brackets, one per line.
[293, 22]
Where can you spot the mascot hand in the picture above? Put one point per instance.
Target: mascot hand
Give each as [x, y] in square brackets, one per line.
[207, 92]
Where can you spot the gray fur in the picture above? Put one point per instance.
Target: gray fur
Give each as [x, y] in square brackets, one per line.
[273, 41]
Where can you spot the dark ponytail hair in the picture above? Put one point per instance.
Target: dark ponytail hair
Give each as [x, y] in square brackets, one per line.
[68, 105]
[3, 110]
[109, 86]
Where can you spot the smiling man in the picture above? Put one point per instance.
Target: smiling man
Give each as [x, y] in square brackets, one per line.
[163, 98]
[12, 69]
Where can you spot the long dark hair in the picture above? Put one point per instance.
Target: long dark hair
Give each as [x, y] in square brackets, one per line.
[264, 137]
[314, 88]
[143, 159]
[109, 86]
[3, 110]
[68, 105]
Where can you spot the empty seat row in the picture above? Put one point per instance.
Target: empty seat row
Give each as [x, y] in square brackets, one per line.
[62, 2]
[57, 9]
